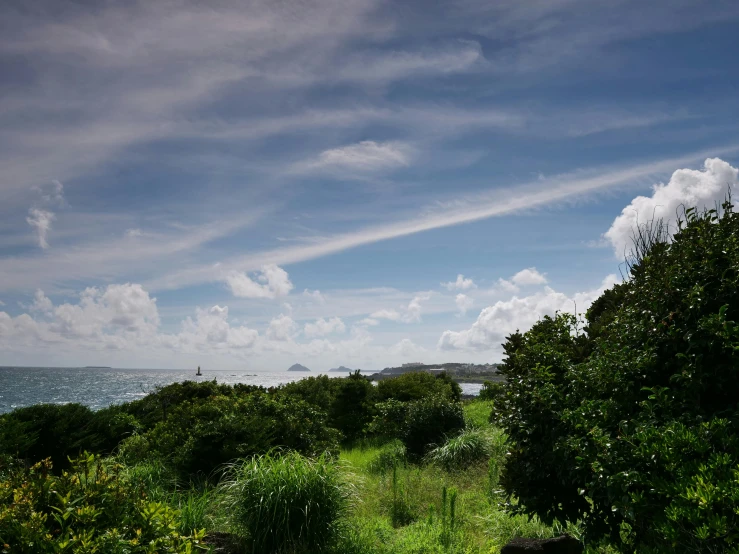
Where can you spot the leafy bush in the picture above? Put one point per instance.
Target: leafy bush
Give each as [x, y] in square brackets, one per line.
[287, 502]
[202, 436]
[90, 508]
[58, 432]
[491, 390]
[633, 428]
[349, 402]
[353, 405]
[158, 405]
[428, 422]
[389, 419]
[390, 456]
[458, 452]
[417, 385]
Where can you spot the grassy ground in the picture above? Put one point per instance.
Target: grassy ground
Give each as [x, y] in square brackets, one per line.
[408, 509]
[400, 508]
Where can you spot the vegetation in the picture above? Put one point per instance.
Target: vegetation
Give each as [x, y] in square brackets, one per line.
[619, 428]
[91, 507]
[631, 426]
[286, 502]
[471, 446]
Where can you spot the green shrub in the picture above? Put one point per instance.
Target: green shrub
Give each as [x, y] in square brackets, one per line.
[158, 405]
[390, 456]
[90, 508]
[458, 452]
[201, 436]
[349, 402]
[491, 390]
[416, 385]
[632, 429]
[54, 431]
[353, 406]
[287, 502]
[319, 390]
[428, 422]
[389, 419]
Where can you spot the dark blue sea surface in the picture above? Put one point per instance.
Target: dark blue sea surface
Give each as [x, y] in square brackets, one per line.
[100, 387]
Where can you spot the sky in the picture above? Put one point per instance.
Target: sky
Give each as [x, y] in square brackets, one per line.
[250, 184]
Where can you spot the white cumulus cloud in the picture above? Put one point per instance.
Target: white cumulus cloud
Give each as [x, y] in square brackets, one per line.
[40, 221]
[408, 314]
[460, 284]
[41, 303]
[525, 278]
[406, 348]
[505, 317]
[701, 188]
[463, 303]
[392, 315]
[281, 328]
[529, 276]
[323, 327]
[271, 282]
[211, 329]
[315, 295]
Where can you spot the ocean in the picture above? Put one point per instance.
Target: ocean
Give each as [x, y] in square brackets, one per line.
[101, 387]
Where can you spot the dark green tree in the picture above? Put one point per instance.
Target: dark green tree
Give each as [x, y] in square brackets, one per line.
[633, 429]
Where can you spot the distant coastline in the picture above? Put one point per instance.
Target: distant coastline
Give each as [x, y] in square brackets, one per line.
[98, 367]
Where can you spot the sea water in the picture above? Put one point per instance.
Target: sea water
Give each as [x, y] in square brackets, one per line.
[101, 387]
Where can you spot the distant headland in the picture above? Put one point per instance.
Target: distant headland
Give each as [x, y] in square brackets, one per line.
[298, 367]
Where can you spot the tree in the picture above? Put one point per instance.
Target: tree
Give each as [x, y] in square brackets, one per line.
[633, 428]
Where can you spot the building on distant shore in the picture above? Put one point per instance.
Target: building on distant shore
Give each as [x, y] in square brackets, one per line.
[412, 364]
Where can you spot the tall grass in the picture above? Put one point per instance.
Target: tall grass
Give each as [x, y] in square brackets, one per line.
[194, 509]
[390, 456]
[401, 509]
[287, 502]
[498, 447]
[469, 447]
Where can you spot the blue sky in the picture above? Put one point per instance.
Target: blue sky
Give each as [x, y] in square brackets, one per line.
[249, 184]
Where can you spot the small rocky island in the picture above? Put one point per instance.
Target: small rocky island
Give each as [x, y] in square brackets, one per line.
[341, 369]
[298, 367]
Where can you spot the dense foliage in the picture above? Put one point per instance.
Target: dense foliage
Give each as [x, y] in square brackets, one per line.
[417, 385]
[91, 508]
[201, 436]
[429, 422]
[61, 431]
[349, 402]
[631, 426]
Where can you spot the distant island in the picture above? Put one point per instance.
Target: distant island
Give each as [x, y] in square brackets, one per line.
[97, 367]
[341, 369]
[298, 367]
[459, 372]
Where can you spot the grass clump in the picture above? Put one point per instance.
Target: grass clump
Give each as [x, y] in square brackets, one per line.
[390, 456]
[287, 502]
[469, 447]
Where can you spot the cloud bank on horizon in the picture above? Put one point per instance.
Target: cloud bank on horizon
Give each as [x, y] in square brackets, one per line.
[340, 183]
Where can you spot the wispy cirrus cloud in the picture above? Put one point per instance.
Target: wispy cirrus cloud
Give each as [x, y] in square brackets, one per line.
[468, 209]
